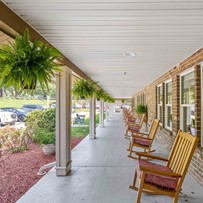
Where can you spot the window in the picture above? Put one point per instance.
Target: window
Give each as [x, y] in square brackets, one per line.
[159, 103]
[144, 98]
[187, 107]
[168, 105]
[138, 100]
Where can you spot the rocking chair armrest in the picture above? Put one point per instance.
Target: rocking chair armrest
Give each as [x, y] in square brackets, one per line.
[133, 124]
[144, 138]
[139, 154]
[159, 172]
[141, 133]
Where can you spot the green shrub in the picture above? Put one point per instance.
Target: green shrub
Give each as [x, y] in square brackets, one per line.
[44, 132]
[42, 136]
[48, 120]
[32, 120]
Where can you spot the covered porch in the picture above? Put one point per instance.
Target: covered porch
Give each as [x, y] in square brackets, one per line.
[101, 172]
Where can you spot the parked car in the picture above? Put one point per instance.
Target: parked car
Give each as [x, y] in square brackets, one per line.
[77, 106]
[117, 109]
[86, 105]
[31, 107]
[53, 105]
[7, 118]
[21, 114]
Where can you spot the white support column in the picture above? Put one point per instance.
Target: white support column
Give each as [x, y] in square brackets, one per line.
[92, 119]
[63, 122]
[101, 117]
[107, 111]
[111, 110]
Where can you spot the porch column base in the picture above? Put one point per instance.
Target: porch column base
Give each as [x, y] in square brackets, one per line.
[63, 171]
[92, 136]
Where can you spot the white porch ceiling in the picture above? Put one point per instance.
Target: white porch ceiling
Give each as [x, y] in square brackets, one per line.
[94, 34]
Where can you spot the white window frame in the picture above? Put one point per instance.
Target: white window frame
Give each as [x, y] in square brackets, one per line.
[161, 104]
[184, 105]
[167, 105]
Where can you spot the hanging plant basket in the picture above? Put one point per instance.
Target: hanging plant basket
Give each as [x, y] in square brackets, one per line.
[100, 94]
[84, 89]
[24, 63]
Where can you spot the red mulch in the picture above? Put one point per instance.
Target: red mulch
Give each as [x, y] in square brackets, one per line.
[18, 172]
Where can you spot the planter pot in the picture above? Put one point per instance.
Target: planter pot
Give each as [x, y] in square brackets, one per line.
[48, 149]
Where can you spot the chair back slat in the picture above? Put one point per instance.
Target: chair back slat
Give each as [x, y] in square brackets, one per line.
[182, 152]
[142, 120]
[153, 128]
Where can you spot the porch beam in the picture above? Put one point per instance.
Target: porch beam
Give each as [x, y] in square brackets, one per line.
[15, 22]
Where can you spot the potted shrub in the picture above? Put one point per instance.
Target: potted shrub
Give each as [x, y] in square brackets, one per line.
[24, 63]
[141, 109]
[84, 89]
[46, 139]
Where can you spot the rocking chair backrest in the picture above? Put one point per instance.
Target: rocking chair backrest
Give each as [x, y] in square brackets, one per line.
[153, 128]
[181, 153]
[142, 120]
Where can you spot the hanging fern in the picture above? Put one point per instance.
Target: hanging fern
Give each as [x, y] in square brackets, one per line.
[84, 89]
[23, 63]
[101, 94]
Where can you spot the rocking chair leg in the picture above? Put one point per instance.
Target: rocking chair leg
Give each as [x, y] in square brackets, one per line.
[126, 133]
[175, 199]
[139, 193]
[133, 186]
[131, 149]
[129, 146]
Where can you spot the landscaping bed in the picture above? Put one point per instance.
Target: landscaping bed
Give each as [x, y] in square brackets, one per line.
[18, 171]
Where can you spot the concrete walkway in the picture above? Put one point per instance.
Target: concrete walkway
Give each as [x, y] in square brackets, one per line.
[101, 173]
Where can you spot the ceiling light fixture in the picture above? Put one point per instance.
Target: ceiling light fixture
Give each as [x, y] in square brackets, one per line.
[129, 54]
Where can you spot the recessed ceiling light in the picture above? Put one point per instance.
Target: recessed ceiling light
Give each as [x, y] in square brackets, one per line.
[129, 54]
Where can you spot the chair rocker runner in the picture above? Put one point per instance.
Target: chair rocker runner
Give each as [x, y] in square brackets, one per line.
[133, 127]
[165, 180]
[143, 140]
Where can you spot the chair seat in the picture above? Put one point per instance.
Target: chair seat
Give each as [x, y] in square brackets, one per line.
[134, 128]
[142, 141]
[158, 180]
[131, 119]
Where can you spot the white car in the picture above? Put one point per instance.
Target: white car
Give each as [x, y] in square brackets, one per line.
[117, 108]
[7, 118]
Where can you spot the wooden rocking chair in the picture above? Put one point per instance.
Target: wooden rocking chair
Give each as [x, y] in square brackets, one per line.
[133, 127]
[143, 140]
[165, 180]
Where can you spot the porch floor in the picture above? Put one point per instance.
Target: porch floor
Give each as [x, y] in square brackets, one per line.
[101, 173]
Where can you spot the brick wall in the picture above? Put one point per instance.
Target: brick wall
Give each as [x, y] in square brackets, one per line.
[164, 136]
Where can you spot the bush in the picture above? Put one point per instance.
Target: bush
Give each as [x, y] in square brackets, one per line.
[47, 120]
[44, 137]
[13, 140]
[41, 126]
[32, 120]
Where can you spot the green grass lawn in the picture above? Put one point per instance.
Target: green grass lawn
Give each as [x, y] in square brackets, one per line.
[18, 103]
[80, 131]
